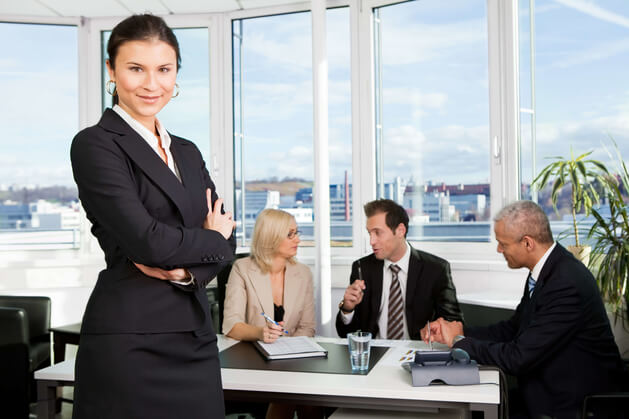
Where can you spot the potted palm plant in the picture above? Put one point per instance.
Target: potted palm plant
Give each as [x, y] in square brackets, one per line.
[610, 253]
[584, 177]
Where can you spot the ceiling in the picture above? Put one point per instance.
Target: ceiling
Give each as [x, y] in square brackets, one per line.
[102, 8]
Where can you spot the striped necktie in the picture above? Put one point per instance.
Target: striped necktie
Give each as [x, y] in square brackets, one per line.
[531, 283]
[395, 323]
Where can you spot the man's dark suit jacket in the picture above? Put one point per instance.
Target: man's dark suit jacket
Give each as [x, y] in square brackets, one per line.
[430, 294]
[558, 343]
[141, 212]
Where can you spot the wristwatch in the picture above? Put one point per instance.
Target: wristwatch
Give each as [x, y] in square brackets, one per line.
[341, 307]
[457, 338]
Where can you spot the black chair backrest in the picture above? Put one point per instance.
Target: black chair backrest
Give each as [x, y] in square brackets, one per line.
[221, 280]
[14, 326]
[477, 315]
[38, 313]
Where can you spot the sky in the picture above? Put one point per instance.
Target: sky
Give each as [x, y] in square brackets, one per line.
[435, 91]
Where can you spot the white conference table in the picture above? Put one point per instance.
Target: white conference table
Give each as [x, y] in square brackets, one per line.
[387, 386]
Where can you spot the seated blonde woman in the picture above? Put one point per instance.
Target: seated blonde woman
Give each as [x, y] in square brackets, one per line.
[270, 281]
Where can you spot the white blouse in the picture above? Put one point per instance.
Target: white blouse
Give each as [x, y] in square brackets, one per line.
[150, 137]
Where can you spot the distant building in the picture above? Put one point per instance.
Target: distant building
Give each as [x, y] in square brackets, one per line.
[470, 207]
[395, 190]
[302, 215]
[434, 205]
[42, 214]
[256, 201]
[338, 203]
[14, 216]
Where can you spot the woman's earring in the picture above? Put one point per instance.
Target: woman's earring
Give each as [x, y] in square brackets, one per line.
[109, 89]
[177, 89]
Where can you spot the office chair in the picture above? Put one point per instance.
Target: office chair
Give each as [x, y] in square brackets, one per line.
[609, 405]
[15, 390]
[37, 311]
[221, 280]
[25, 324]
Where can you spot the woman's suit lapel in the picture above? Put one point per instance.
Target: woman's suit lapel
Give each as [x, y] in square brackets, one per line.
[261, 284]
[292, 291]
[146, 159]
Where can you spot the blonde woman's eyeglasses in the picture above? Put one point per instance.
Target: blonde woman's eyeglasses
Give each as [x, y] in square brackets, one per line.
[292, 234]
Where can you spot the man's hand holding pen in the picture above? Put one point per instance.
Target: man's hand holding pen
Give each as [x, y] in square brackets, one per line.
[353, 295]
[441, 331]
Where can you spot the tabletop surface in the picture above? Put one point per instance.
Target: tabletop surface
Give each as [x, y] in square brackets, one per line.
[386, 380]
[70, 328]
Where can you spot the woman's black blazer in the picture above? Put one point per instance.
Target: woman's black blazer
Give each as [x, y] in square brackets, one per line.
[141, 212]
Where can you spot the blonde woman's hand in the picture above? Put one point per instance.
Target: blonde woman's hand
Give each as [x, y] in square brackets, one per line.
[270, 332]
[222, 223]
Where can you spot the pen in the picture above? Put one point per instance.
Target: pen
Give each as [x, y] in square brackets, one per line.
[270, 320]
[360, 275]
[428, 337]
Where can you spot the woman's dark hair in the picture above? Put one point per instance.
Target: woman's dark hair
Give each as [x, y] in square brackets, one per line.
[141, 28]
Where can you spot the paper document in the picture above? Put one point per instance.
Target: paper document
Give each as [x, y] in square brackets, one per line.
[291, 347]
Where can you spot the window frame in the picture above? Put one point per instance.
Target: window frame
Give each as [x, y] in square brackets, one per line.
[502, 20]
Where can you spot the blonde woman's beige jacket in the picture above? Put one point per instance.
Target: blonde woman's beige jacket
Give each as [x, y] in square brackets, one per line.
[248, 294]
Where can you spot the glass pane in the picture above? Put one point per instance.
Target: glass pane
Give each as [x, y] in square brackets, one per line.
[187, 115]
[39, 115]
[527, 107]
[581, 57]
[273, 119]
[340, 125]
[432, 116]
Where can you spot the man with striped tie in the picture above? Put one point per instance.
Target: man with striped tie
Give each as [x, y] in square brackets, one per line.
[558, 343]
[397, 289]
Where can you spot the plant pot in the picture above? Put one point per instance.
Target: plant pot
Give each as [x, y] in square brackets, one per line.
[582, 253]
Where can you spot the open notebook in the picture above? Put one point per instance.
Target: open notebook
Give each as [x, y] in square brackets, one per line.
[291, 347]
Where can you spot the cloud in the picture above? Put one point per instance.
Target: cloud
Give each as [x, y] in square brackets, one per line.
[597, 52]
[421, 42]
[275, 157]
[556, 138]
[597, 12]
[7, 65]
[276, 101]
[414, 97]
[452, 153]
[23, 173]
[280, 41]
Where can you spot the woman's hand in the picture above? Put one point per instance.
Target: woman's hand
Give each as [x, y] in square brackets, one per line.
[222, 223]
[178, 274]
[270, 332]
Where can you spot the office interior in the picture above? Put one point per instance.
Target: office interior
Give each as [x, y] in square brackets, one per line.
[317, 107]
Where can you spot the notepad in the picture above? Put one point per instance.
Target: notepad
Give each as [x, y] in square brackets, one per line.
[291, 347]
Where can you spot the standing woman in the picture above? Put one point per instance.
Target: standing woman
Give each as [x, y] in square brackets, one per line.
[148, 348]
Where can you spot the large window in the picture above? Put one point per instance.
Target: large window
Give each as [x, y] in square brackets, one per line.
[188, 114]
[39, 117]
[573, 87]
[272, 93]
[432, 116]
[340, 127]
